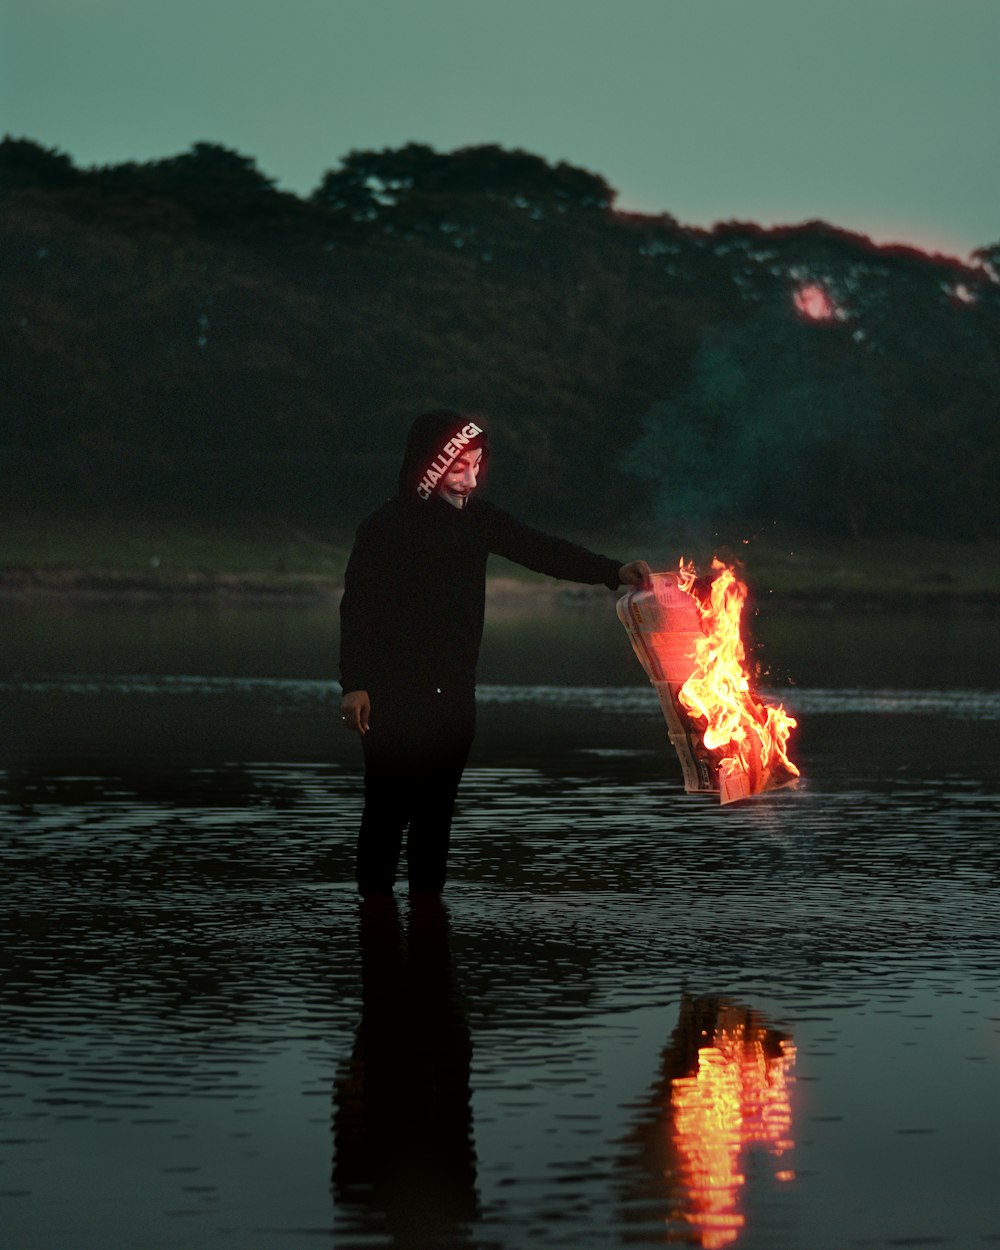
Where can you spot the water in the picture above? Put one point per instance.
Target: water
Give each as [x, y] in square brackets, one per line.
[640, 1019]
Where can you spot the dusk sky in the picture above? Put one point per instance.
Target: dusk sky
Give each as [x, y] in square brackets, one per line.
[880, 116]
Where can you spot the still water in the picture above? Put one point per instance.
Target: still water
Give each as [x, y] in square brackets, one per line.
[639, 1019]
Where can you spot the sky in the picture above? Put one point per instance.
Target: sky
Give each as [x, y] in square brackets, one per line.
[878, 116]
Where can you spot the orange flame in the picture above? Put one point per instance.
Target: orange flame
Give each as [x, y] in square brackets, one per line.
[738, 1096]
[749, 738]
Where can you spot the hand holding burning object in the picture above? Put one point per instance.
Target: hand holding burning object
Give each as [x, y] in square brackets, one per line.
[636, 573]
[686, 634]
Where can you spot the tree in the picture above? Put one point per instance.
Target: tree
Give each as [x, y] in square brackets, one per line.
[25, 164]
[181, 330]
[782, 420]
[221, 189]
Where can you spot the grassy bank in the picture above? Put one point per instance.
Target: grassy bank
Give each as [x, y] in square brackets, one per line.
[103, 556]
[98, 554]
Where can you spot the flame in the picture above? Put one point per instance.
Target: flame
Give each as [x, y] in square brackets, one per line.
[748, 737]
[737, 1097]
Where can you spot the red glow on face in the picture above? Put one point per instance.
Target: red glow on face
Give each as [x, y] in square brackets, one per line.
[813, 302]
[460, 481]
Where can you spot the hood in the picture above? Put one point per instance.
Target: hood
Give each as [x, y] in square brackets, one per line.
[435, 442]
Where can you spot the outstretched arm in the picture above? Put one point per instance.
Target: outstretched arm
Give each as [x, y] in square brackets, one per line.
[556, 557]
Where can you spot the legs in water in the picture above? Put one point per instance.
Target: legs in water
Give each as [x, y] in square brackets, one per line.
[415, 754]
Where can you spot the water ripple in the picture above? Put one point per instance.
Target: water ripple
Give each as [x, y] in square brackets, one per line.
[971, 704]
[189, 1005]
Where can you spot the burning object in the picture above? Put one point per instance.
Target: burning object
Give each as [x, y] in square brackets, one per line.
[686, 634]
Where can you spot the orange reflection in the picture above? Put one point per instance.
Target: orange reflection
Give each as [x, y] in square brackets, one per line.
[737, 1097]
[723, 1091]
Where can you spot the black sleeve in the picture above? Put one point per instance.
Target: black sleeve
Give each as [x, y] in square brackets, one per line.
[361, 604]
[555, 557]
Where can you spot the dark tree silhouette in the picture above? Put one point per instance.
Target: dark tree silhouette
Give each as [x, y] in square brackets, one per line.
[182, 334]
[25, 164]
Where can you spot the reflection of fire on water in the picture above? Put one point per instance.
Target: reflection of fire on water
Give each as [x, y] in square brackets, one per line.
[687, 635]
[724, 1090]
[736, 1097]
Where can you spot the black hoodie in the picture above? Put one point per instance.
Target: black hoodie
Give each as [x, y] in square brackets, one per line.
[415, 587]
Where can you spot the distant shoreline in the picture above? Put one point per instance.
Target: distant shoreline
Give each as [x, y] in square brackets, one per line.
[110, 586]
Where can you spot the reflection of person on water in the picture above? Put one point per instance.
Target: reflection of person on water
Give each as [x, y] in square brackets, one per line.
[411, 625]
[723, 1087]
[404, 1162]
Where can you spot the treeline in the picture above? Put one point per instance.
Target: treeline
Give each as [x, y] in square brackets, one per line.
[181, 334]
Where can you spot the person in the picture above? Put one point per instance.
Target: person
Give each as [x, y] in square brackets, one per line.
[411, 625]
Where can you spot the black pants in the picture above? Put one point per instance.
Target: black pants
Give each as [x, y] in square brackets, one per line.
[415, 751]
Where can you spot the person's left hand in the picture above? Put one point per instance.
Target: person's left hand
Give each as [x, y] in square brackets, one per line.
[637, 573]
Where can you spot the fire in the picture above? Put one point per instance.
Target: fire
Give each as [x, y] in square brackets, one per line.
[748, 738]
[688, 641]
[738, 1096]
